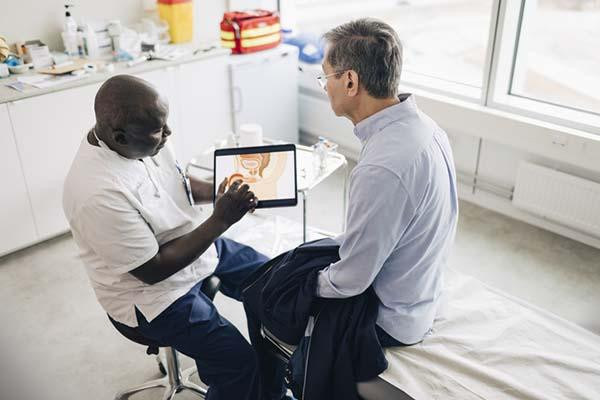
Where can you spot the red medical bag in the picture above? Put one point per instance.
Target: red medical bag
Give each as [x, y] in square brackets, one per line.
[249, 31]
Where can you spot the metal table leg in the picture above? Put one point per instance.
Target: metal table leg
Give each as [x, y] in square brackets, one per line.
[304, 227]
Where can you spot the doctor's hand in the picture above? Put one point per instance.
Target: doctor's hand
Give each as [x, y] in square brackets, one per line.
[233, 204]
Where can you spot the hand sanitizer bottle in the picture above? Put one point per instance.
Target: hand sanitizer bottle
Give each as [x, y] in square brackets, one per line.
[320, 156]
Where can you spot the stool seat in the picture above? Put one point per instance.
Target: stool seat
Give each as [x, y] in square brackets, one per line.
[175, 380]
[133, 335]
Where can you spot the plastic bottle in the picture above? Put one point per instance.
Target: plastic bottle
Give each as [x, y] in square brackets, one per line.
[70, 25]
[90, 42]
[69, 34]
[320, 155]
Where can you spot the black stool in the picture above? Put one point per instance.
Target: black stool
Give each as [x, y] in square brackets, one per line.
[375, 389]
[175, 380]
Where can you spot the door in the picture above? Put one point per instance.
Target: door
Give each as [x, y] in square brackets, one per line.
[203, 94]
[17, 228]
[164, 81]
[48, 131]
[265, 91]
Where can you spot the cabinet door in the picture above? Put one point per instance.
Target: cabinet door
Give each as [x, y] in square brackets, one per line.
[164, 81]
[48, 131]
[265, 91]
[204, 104]
[17, 228]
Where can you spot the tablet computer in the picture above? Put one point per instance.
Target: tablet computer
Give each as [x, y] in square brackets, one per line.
[270, 171]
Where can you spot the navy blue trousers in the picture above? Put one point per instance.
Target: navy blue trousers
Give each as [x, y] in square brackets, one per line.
[192, 325]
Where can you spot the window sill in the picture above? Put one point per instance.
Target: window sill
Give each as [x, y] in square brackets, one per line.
[463, 117]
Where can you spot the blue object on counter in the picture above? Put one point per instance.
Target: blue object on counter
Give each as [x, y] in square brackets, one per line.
[311, 46]
[12, 61]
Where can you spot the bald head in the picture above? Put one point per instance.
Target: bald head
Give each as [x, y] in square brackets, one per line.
[131, 116]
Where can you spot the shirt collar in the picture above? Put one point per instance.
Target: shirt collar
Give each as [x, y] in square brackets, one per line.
[102, 145]
[369, 126]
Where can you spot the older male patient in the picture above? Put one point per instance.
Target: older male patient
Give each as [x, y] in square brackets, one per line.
[402, 197]
[131, 211]
[403, 204]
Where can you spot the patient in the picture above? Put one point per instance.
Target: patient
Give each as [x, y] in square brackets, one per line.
[132, 214]
[403, 204]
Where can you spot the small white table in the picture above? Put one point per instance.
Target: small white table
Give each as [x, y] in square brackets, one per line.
[307, 177]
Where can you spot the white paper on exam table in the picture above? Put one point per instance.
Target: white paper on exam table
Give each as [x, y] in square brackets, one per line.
[486, 344]
[269, 234]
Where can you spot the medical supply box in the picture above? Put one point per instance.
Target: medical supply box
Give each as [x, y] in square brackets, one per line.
[250, 31]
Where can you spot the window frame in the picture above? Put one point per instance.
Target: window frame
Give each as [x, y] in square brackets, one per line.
[498, 72]
[502, 70]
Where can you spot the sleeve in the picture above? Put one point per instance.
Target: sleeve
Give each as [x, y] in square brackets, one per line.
[379, 212]
[116, 232]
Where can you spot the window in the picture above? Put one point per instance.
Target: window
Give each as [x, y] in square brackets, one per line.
[558, 53]
[537, 58]
[443, 39]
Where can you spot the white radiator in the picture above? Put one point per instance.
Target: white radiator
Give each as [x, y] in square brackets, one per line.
[560, 197]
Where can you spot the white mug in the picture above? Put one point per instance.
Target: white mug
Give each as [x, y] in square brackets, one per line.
[250, 135]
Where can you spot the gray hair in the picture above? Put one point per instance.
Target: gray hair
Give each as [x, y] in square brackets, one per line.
[372, 49]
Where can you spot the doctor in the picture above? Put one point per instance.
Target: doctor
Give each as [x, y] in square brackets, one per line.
[131, 211]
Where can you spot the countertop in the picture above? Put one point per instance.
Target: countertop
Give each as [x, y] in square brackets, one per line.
[8, 94]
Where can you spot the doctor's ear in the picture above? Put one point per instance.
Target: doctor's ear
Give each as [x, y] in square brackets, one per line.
[119, 137]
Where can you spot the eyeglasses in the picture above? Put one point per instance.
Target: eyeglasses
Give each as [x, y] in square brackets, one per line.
[322, 79]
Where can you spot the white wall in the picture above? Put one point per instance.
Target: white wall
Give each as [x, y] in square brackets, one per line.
[42, 19]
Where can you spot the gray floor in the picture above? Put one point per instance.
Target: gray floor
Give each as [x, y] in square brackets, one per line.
[57, 343]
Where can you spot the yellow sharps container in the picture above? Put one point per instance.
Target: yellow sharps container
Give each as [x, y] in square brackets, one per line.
[179, 14]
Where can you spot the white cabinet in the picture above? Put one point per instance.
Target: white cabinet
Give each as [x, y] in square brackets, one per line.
[199, 104]
[17, 228]
[48, 131]
[265, 91]
[204, 105]
[164, 81]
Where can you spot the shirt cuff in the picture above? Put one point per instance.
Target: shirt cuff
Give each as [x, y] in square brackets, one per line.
[325, 288]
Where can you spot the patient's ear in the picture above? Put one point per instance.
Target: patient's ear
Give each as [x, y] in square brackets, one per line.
[351, 78]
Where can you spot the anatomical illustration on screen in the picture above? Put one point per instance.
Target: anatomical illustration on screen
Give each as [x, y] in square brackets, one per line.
[269, 175]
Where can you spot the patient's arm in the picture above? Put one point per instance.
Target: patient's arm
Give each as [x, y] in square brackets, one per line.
[202, 190]
[378, 212]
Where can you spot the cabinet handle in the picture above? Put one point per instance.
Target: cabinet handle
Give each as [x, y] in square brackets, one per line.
[237, 105]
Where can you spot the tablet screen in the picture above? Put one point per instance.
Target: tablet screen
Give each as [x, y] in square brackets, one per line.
[270, 171]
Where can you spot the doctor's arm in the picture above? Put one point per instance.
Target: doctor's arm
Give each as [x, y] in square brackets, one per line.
[378, 214]
[202, 190]
[177, 254]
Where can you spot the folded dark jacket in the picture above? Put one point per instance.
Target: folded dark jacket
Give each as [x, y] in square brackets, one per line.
[343, 348]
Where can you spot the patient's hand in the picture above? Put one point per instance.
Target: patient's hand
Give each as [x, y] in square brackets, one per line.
[233, 204]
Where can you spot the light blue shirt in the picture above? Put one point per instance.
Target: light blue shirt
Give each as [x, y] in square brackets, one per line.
[401, 220]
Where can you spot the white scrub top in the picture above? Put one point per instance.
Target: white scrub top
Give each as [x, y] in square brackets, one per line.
[120, 212]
